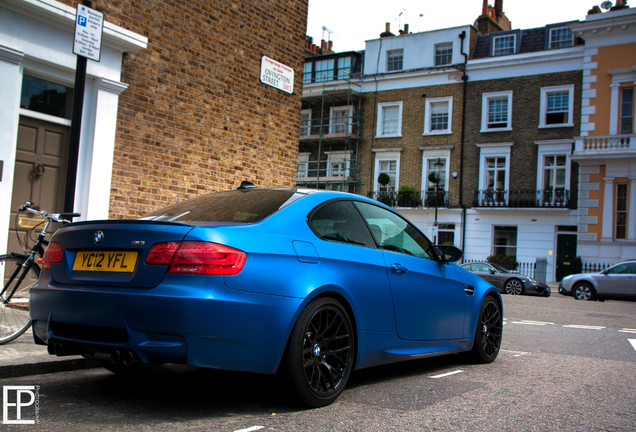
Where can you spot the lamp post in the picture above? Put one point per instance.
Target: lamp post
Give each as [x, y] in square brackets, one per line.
[438, 165]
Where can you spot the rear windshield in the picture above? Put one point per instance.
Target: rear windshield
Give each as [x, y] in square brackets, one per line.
[243, 206]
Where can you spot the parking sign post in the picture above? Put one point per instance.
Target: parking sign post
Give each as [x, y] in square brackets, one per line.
[87, 43]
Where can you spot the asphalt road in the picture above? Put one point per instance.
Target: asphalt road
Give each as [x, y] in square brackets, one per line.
[551, 375]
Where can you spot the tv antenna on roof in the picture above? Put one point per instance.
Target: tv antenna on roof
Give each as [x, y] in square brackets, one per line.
[606, 5]
[399, 18]
[325, 29]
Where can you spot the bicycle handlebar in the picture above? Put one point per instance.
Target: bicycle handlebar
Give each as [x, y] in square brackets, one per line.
[56, 217]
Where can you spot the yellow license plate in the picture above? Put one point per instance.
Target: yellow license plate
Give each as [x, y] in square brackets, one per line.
[106, 261]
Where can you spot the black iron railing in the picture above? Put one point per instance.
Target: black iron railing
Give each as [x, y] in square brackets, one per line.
[553, 198]
[411, 198]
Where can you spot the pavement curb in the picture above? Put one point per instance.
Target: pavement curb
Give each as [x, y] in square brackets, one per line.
[28, 369]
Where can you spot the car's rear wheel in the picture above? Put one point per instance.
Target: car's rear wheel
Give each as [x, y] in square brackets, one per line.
[488, 332]
[319, 355]
[514, 287]
[583, 291]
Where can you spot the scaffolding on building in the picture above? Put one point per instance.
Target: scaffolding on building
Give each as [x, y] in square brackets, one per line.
[330, 136]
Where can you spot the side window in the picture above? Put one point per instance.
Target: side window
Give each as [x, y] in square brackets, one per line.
[626, 268]
[340, 221]
[393, 233]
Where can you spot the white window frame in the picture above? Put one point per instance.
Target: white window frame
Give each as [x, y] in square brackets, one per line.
[428, 155]
[485, 97]
[444, 44]
[514, 44]
[553, 148]
[380, 122]
[332, 118]
[336, 157]
[544, 106]
[552, 41]
[489, 151]
[388, 52]
[383, 156]
[427, 116]
[304, 127]
[303, 160]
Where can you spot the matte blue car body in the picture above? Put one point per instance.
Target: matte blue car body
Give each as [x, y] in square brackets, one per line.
[243, 322]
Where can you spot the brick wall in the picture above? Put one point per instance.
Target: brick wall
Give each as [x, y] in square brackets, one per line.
[196, 117]
[412, 135]
[526, 99]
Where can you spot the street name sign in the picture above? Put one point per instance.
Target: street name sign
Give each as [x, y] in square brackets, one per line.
[277, 75]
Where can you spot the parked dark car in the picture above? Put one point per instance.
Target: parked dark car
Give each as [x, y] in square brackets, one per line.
[617, 281]
[307, 284]
[507, 281]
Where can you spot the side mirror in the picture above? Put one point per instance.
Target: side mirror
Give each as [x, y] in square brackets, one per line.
[450, 253]
[492, 271]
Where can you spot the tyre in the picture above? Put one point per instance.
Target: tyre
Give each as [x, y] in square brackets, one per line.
[14, 296]
[319, 356]
[583, 291]
[488, 332]
[514, 287]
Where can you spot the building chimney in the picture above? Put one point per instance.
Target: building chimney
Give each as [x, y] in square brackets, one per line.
[498, 8]
[330, 46]
[484, 8]
[387, 32]
[406, 29]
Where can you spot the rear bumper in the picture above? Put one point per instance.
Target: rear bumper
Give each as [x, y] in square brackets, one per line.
[203, 325]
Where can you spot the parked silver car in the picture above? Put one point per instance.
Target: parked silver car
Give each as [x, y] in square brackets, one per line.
[618, 281]
[507, 281]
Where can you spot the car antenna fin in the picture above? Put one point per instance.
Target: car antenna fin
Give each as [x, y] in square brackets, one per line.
[246, 185]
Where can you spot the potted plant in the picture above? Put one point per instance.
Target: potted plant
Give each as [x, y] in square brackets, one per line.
[407, 197]
[384, 197]
[509, 262]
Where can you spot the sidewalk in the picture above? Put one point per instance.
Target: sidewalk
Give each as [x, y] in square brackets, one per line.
[22, 357]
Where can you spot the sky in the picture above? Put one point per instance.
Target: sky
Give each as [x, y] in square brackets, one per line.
[352, 22]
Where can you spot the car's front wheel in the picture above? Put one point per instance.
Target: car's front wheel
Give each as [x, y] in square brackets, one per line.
[319, 355]
[514, 287]
[488, 332]
[583, 291]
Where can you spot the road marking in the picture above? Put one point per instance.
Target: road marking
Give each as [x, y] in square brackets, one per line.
[626, 330]
[539, 323]
[633, 342]
[584, 327]
[250, 429]
[447, 374]
[517, 353]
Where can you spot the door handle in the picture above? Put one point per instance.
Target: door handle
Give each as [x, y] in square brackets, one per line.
[470, 290]
[399, 269]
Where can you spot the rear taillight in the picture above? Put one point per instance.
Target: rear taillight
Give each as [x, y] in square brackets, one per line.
[162, 253]
[198, 258]
[52, 255]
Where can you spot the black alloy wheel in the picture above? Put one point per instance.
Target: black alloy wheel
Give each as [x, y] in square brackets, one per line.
[319, 355]
[488, 332]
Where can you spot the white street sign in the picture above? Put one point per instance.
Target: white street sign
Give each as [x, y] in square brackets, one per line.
[277, 75]
[89, 25]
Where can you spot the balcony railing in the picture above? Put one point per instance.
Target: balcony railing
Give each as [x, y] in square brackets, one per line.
[411, 199]
[615, 145]
[529, 198]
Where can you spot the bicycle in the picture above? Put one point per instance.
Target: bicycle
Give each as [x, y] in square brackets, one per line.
[21, 271]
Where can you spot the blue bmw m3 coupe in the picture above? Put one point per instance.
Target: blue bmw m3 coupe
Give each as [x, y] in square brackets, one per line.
[306, 284]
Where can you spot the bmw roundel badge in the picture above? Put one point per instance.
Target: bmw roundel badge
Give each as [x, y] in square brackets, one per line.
[98, 237]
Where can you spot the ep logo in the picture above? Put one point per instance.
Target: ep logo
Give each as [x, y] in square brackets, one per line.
[24, 396]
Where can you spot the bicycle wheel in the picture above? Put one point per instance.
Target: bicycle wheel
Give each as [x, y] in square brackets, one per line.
[14, 297]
